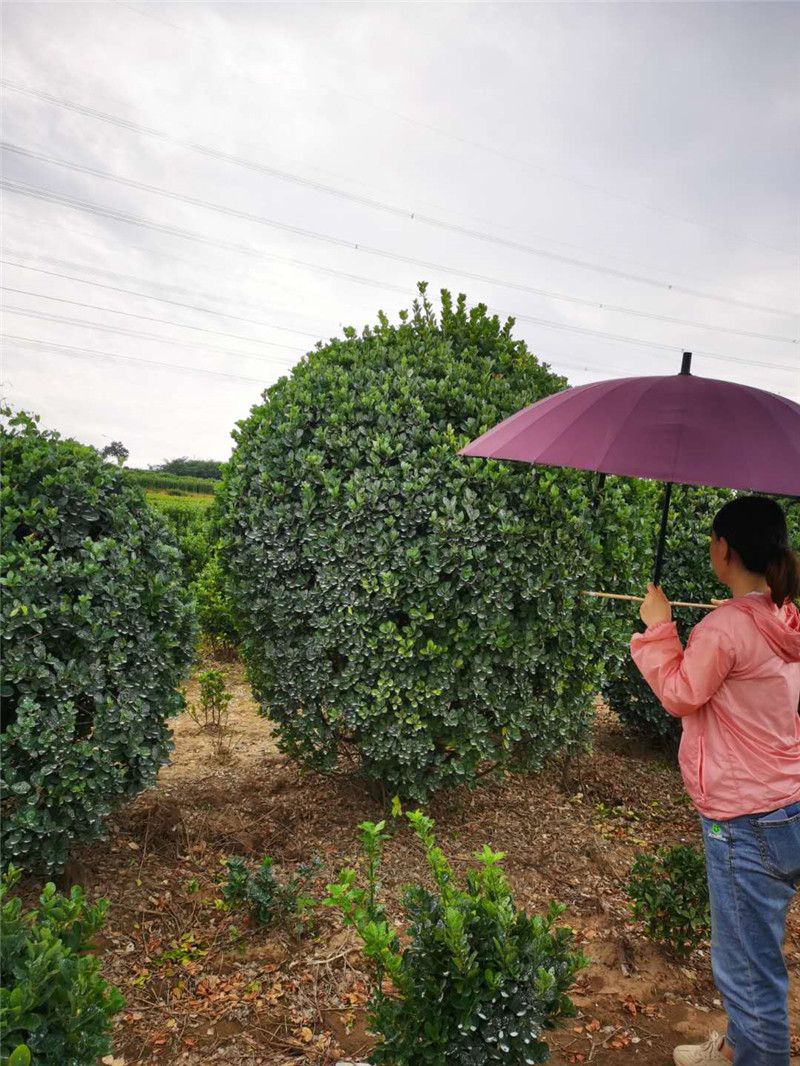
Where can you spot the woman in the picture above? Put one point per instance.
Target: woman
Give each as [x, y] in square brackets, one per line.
[736, 689]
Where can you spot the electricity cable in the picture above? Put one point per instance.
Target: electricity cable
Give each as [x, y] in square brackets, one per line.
[507, 156]
[84, 323]
[161, 299]
[151, 318]
[368, 201]
[72, 349]
[385, 254]
[247, 250]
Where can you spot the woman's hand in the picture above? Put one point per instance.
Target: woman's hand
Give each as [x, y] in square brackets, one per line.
[656, 607]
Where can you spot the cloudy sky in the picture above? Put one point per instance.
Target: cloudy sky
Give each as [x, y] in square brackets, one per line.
[194, 193]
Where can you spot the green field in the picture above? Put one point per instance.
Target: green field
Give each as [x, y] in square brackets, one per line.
[153, 480]
[172, 501]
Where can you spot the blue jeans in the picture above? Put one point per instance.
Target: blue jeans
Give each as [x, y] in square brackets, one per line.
[753, 865]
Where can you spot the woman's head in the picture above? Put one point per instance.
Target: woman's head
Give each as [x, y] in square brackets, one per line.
[750, 533]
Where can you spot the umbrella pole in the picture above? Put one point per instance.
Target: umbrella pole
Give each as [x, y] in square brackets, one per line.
[686, 368]
[662, 534]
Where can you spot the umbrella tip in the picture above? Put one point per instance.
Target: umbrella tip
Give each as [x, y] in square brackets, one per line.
[686, 365]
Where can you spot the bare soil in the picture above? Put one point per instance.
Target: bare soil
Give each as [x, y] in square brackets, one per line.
[231, 992]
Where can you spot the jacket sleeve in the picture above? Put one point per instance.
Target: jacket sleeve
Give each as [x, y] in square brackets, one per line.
[683, 681]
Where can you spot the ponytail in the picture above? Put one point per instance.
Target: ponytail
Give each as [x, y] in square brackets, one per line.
[755, 528]
[783, 577]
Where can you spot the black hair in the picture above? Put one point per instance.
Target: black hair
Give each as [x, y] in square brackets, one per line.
[755, 528]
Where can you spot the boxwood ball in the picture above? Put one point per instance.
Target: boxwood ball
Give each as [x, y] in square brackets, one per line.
[408, 613]
[97, 630]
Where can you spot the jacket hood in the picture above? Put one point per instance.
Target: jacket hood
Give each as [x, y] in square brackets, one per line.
[780, 626]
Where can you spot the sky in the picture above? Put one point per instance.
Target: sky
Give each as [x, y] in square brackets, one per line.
[196, 193]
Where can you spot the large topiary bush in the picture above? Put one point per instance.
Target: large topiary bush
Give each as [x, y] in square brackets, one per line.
[405, 611]
[97, 631]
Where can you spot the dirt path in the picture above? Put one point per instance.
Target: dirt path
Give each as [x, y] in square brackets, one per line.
[203, 986]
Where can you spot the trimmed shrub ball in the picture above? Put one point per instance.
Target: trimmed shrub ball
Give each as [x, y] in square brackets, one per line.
[97, 631]
[405, 612]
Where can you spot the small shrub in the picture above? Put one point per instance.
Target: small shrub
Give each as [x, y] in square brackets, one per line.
[234, 891]
[190, 519]
[479, 981]
[268, 899]
[670, 894]
[215, 606]
[195, 523]
[211, 713]
[53, 1000]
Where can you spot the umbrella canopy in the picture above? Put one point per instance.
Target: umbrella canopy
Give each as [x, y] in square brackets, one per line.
[677, 428]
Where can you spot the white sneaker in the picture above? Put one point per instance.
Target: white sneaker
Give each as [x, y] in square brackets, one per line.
[707, 1054]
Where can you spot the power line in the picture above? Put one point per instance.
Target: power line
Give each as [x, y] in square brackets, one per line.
[29, 341]
[160, 299]
[175, 231]
[510, 314]
[566, 244]
[647, 344]
[146, 318]
[71, 349]
[362, 200]
[343, 242]
[158, 253]
[86, 323]
[89, 324]
[247, 250]
[517, 316]
[508, 156]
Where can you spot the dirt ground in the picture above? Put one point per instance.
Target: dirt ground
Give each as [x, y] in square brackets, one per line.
[204, 986]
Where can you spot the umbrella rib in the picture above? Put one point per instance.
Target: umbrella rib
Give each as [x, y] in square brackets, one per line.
[654, 383]
[731, 409]
[777, 428]
[620, 383]
[558, 397]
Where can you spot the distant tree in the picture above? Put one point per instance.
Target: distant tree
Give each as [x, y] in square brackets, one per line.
[191, 467]
[115, 450]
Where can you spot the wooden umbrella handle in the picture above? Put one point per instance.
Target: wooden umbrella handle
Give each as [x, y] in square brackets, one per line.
[640, 599]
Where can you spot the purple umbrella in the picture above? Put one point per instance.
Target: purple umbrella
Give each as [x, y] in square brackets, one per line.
[678, 428]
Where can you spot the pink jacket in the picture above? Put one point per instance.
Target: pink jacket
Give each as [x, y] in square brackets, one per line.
[736, 689]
